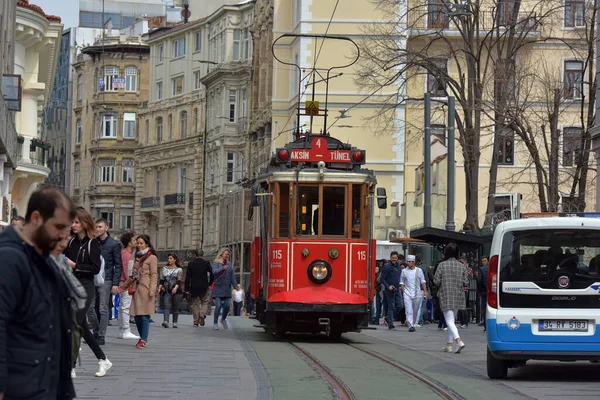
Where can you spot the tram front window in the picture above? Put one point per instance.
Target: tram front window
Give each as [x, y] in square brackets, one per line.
[329, 215]
[334, 210]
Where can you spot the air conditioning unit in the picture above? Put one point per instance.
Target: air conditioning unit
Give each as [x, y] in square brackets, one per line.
[394, 233]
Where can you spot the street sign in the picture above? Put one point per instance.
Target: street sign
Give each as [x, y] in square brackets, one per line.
[312, 107]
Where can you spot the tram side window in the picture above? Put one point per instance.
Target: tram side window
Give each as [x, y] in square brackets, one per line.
[356, 210]
[334, 210]
[284, 210]
[308, 210]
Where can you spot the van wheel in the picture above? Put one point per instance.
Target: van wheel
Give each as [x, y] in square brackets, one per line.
[496, 368]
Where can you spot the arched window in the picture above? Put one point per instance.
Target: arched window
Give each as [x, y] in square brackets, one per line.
[110, 72]
[183, 124]
[159, 130]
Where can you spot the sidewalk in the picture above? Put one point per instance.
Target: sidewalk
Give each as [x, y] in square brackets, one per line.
[178, 363]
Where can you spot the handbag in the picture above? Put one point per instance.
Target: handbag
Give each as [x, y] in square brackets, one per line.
[212, 286]
[131, 288]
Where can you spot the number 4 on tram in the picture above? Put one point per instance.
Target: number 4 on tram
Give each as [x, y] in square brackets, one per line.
[312, 257]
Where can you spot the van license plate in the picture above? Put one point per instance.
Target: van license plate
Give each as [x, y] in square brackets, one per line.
[563, 325]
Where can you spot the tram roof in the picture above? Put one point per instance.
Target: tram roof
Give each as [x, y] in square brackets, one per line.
[313, 175]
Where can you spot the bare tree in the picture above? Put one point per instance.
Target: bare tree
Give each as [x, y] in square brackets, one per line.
[485, 38]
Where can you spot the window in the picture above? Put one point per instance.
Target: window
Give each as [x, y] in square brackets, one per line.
[182, 180]
[129, 125]
[79, 87]
[126, 222]
[237, 37]
[438, 131]
[232, 105]
[195, 128]
[77, 180]
[159, 130]
[198, 44]
[436, 84]
[230, 167]
[247, 43]
[128, 170]
[107, 170]
[183, 124]
[110, 73]
[131, 79]
[177, 85]
[147, 131]
[78, 132]
[170, 126]
[506, 146]
[503, 12]
[329, 216]
[574, 13]
[159, 91]
[197, 83]
[244, 103]
[109, 217]
[161, 53]
[179, 48]
[573, 80]
[437, 17]
[571, 146]
[109, 126]
[95, 126]
[157, 183]
[284, 210]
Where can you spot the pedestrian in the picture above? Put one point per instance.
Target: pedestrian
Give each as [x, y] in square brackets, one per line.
[170, 289]
[390, 277]
[238, 301]
[35, 343]
[419, 264]
[83, 255]
[111, 252]
[450, 277]
[438, 314]
[142, 284]
[197, 280]
[482, 283]
[464, 314]
[221, 291]
[377, 289]
[128, 257]
[414, 288]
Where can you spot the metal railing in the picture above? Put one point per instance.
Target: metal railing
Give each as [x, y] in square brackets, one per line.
[175, 199]
[8, 133]
[151, 202]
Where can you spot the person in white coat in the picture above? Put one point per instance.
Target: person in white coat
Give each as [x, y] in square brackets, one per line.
[414, 288]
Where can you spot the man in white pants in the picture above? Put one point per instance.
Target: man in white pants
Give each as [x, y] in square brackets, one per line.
[414, 287]
[128, 257]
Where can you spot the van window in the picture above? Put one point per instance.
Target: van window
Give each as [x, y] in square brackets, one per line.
[562, 259]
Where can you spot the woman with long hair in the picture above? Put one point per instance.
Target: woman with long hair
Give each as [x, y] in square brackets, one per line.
[142, 283]
[450, 278]
[224, 281]
[170, 289]
[83, 255]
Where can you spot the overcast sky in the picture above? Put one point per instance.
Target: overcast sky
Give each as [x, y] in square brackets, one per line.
[68, 10]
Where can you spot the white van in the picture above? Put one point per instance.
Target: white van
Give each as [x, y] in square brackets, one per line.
[543, 300]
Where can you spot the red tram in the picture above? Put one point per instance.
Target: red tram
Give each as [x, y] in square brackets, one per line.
[312, 255]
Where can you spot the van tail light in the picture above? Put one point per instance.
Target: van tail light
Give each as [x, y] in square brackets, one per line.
[492, 287]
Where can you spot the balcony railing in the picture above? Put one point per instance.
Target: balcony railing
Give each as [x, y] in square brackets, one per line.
[151, 202]
[175, 199]
[8, 134]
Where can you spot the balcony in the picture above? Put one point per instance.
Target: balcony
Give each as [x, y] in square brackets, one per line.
[424, 20]
[151, 202]
[175, 200]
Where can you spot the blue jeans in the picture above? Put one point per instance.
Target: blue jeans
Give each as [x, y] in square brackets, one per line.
[376, 310]
[142, 322]
[222, 303]
[394, 300]
[421, 320]
[104, 294]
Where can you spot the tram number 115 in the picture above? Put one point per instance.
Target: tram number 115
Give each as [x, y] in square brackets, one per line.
[277, 254]
[361, 255]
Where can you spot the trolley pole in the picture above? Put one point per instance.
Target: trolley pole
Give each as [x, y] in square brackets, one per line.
[450, 225]
[427, 167]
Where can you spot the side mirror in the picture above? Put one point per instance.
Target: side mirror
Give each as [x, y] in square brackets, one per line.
[381, 198]
[254, 199]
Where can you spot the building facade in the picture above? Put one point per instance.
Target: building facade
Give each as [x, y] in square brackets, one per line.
[203, 59]
[37, 45]
[110, 83]
[8, 134]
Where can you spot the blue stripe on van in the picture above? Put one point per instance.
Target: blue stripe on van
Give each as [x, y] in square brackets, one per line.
[523, 339]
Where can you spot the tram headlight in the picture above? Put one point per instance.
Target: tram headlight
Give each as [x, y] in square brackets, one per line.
[319, 271]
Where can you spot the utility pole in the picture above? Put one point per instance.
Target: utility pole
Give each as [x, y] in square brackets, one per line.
[451, 172]
[427, 166]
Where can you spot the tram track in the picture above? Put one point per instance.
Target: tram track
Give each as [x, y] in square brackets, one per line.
[343, 392]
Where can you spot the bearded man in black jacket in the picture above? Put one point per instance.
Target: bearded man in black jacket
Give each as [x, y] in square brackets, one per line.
[198, 279]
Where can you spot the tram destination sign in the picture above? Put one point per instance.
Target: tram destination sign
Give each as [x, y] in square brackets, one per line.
[319, 152]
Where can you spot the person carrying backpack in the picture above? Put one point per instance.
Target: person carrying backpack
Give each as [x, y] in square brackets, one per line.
[83, 255]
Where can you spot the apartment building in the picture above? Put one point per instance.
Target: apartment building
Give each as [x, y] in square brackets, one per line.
[110, 84]
[199, 90]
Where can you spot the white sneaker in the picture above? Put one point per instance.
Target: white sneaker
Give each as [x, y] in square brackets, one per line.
[447, 348]
[103, 366]
[129, 335]
[73, 374]
[418, 326]
[461, 346]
